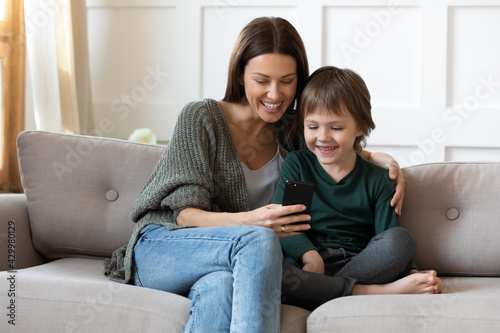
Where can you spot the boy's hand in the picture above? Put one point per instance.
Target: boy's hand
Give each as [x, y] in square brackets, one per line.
[312, 262]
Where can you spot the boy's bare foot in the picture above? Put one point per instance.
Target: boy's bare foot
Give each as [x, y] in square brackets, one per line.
[425, 282]
[438, 287]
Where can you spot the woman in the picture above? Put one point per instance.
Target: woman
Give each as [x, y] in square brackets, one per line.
[219, 172]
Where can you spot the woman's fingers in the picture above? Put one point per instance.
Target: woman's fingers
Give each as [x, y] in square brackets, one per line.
[284, 220]
[397, 200]
[287, 230]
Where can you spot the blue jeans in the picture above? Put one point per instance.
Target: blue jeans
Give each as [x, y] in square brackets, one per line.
[231, 274]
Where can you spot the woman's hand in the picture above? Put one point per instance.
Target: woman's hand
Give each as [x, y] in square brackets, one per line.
[277, 218]
[395, 173]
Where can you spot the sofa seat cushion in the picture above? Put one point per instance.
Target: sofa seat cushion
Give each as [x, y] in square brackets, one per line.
[468, 304]
[73, 295]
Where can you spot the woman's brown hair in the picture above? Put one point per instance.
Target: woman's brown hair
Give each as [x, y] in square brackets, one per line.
[260, 36]
[338, 90]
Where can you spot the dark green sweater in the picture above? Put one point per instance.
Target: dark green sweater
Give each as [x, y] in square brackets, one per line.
[199, 168]
[346, 214]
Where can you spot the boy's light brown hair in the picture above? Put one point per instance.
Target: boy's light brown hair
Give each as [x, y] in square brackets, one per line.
[337, 90]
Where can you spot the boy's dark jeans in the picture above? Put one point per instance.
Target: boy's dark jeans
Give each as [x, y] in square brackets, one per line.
[388, 257]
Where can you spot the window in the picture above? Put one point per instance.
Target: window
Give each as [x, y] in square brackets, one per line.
[12, 77]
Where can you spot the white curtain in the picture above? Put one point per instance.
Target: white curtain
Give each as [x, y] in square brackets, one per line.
[58, 60]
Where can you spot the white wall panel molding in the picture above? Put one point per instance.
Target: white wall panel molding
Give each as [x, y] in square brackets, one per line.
[383, 44]
[133, 67]
[219, 32]
[312, 31]
[474, 50]
[434, 54]
[431, 65]
[472, 154]
[405, 155]
[469, 3]
[130, 3]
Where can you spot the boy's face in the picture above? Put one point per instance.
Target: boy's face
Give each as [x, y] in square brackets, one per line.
[331, 137]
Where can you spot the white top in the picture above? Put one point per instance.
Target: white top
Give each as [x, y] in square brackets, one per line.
[261, 183]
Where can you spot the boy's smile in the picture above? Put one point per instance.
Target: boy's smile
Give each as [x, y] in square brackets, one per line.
[325, 149]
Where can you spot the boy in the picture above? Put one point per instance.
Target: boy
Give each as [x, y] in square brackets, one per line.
[355, 234]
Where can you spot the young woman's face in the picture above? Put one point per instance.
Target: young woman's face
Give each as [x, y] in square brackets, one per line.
[270, 82]
[331, 137]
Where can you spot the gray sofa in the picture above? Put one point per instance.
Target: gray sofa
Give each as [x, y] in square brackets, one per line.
[75, 211]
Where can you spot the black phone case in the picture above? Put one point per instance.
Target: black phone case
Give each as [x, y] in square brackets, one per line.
[298, 192]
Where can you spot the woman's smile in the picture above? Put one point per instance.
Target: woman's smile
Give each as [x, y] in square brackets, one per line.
[271, 107]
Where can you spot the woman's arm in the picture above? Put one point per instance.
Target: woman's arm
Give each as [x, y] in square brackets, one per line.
[388, 162]
[270, 216]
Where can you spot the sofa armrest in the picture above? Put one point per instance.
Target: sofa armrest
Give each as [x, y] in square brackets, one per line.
[16, 248]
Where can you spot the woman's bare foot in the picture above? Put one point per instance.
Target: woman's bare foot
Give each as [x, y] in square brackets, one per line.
[425, 282]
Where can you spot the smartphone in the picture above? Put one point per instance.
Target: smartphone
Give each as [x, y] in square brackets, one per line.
[298, 192]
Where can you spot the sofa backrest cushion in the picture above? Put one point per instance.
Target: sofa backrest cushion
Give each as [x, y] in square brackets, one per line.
[80, 190]
[453, 210]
